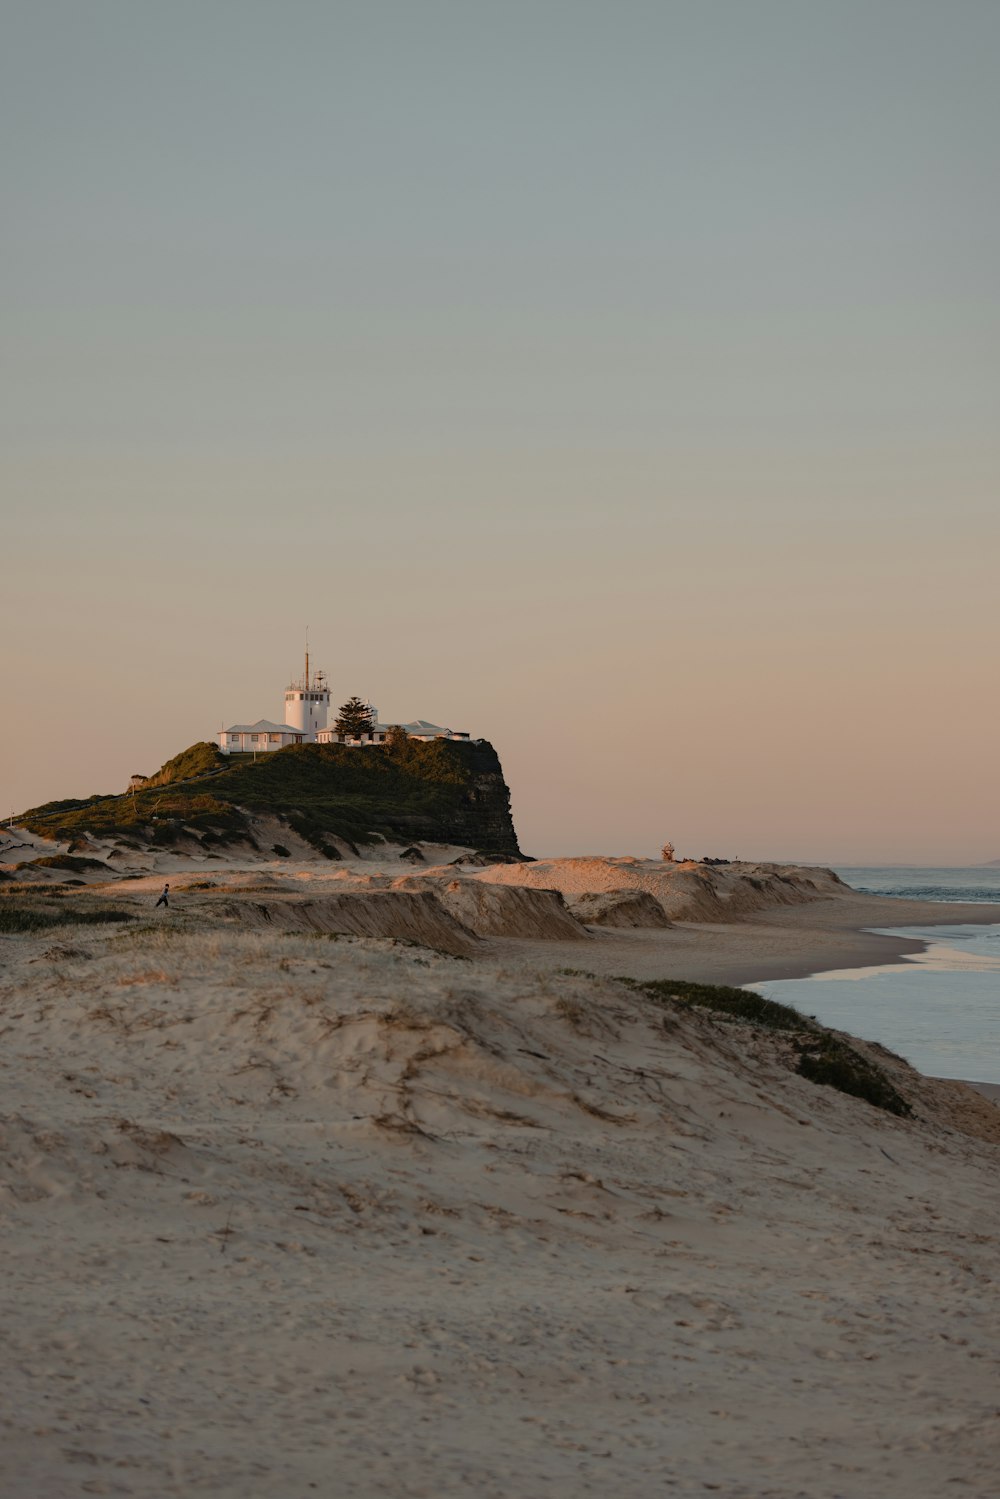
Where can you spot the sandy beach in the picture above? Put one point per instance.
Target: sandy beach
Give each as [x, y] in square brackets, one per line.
[718, 928]
[792, 942]
[288, 1213]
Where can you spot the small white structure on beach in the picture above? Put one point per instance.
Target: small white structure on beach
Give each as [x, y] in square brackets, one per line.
[307, 706]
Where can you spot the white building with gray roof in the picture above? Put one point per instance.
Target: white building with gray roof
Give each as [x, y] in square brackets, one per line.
[307, 704]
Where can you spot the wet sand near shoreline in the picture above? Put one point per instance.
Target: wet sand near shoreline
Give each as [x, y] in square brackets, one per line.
[779, 943]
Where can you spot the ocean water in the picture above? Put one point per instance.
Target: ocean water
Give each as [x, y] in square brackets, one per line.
[976, 884]
[940, 1008]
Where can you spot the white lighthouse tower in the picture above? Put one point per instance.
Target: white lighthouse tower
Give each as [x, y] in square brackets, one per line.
[307, 702]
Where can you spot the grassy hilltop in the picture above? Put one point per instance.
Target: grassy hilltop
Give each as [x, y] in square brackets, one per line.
[444, 791]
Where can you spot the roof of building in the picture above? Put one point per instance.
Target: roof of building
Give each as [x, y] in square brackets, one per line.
[417, 727]
[421, 726]
[262, 726]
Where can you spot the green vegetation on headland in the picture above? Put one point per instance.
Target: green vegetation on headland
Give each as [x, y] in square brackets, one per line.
[820, 1055]
[446, 791]
[197, 760]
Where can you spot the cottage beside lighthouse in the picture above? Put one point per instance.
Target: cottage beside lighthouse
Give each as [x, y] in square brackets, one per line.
[307, 707]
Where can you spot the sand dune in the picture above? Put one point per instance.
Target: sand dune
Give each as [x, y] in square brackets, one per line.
[687, 892]
[728, 923]
[285, 1216]
[619, 908]
[495, 910]
[410, 915]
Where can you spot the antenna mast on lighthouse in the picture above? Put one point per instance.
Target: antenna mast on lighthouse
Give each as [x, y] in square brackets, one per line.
[307, 700]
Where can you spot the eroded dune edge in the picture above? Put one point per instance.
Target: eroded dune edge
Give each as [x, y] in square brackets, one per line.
[283, 1203]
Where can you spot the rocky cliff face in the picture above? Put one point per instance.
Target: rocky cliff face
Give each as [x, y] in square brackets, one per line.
[480, 816]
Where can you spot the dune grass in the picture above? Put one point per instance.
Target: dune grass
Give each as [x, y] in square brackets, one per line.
[737, 1004]
[23, 916]
[821, 1055]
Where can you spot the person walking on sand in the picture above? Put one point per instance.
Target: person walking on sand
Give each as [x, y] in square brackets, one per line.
[164, 900]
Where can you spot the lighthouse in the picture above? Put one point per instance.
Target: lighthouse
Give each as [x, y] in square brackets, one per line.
[307, 702]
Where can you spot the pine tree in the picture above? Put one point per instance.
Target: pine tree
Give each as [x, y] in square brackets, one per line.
[354, 719]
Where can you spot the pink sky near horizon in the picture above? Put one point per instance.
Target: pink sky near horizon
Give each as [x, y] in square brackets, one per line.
[617, 383]
[756, 696]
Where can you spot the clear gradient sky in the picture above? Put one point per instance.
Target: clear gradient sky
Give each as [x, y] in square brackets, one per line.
[618, 381]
